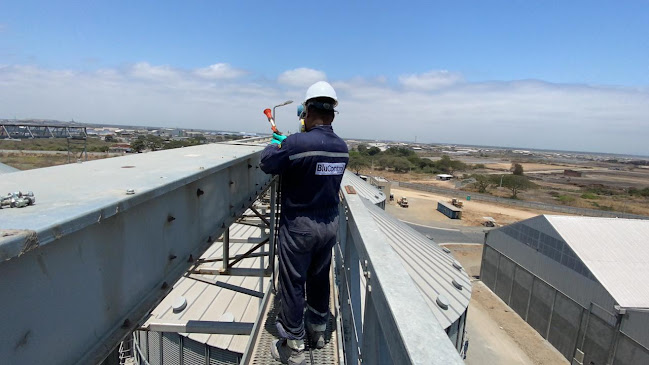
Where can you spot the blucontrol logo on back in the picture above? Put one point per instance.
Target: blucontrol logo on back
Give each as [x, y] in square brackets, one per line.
[330, 168]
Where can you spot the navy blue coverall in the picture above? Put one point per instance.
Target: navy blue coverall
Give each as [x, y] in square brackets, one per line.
[311, 165]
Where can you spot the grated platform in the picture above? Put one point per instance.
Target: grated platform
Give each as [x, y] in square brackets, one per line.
[325, 356]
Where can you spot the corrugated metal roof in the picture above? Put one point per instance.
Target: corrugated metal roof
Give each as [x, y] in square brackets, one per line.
[429, 266]
[207, 302]
[5, 169]
[365, 190]
[615, 250]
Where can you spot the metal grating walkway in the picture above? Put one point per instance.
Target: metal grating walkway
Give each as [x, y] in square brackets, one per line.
[261, 353]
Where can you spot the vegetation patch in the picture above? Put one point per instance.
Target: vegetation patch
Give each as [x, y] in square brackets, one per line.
[589, 195]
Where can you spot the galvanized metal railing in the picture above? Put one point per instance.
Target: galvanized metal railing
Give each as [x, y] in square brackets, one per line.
[385, 317]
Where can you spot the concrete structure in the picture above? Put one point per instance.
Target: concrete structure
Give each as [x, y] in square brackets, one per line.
[580, 282]
[449, 210]
[381, 183]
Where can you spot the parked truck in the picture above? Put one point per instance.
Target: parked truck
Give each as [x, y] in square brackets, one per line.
[403, 202]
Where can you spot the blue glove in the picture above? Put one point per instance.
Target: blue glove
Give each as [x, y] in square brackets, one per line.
[277, 139]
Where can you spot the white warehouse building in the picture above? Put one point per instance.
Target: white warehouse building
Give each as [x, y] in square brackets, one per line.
[581, 282]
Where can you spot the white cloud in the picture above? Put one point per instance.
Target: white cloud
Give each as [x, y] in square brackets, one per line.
[430, 80]
[302, 77]
[523, 113]
[146, 71]
[219, 71]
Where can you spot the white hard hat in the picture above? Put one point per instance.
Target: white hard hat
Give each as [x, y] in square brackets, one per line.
[321, 89]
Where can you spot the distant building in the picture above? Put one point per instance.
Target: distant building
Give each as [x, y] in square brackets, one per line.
[571, 173]
[581, 282]
[381, 183]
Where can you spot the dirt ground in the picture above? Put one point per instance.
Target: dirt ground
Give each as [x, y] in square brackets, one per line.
[27, 160]
[529, 167]
[497, 335]
[423, 208]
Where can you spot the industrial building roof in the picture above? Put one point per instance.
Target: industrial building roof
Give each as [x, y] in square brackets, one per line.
[365, 190]
[431, 268]
[615, 250]
[4, 169]
[60, 210]
[209, 302]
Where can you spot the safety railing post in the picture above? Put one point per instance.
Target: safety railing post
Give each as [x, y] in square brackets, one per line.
[226, 250]
[273, 218]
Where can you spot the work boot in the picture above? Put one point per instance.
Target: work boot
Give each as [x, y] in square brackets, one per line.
[289, 352]
[316, 334]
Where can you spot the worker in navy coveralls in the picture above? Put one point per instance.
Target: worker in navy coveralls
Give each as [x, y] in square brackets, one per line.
[311, 165]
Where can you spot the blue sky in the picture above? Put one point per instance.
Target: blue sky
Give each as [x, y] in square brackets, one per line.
[445, 70]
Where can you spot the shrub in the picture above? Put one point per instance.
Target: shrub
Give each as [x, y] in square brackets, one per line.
[565, 199]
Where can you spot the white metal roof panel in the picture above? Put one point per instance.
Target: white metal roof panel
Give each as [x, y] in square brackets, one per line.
[615, 250]
[206, 302]
[429, 266]
[363, 188]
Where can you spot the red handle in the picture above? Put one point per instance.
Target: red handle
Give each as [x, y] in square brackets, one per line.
[268, 113]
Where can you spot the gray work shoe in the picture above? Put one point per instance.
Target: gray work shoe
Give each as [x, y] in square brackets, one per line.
[289, 352]
[316, 334]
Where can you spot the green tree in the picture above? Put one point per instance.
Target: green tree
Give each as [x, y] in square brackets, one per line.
[517, 183]
[482, 182]
[153, 143]
[362, 148]
[357, 162]
[373, 151]
[138, 145]
[517, 169]
[400, 164]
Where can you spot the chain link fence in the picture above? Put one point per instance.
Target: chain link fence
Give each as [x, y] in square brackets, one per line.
[521, 203]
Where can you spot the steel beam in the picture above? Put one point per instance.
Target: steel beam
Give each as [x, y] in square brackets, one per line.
[86, 264]
[185, 326]
[408, 325]
[233, 271]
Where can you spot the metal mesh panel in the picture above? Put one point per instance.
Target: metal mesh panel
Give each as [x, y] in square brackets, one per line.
[598, 341]
[565, 325]
[629, 352]
[521, 291]
[460, 342]
[154, 348]
[170, 349]
[489, 265]
[505, 277]
[193, 352]
[326, 356]
[222, 357]
[453, 332]
[539, 313]
[144, 343]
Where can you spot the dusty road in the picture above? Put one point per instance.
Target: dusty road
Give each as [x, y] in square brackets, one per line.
[423, 210]
[497, 335]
